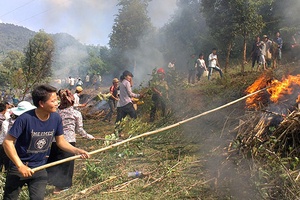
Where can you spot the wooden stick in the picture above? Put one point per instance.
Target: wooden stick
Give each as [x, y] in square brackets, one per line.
[146, 134]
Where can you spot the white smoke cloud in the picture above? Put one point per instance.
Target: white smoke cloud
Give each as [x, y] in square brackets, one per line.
[91, 21]
[161, 11]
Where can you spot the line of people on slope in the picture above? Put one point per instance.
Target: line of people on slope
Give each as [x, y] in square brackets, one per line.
[197, 67]
[266, 50]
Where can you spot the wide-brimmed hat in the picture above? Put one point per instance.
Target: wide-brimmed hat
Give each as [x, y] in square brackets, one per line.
[22, 107]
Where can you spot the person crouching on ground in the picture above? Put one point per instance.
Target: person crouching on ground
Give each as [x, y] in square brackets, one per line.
[125, 105]
[113, 99]
[28, 141]
[61, 175]
[160, 93]
[76, 97]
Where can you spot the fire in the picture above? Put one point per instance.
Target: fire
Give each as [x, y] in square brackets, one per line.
[276, 89]
[253, 101]
[285, 87]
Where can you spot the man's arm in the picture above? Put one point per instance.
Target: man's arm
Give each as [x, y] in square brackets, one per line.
[63, 144]
[10, 150]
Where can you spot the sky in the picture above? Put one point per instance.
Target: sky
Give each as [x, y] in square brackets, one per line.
[89, 21]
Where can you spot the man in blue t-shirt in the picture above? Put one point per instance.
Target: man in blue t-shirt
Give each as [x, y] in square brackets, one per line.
[28, 141]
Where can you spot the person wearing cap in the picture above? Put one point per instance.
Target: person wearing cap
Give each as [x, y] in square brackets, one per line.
[125, 105]
[113, 99]
[28, 142]
[267, 51]
[76, 97]
[160, 89]
[214, 63]
[61, 175]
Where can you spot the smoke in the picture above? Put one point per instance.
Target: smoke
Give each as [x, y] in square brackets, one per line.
[90, 20]
[291, 15]
[161, 11]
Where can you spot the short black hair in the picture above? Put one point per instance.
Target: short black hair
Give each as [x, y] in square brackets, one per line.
[2, 107]
[214, 49]
[201, 54]
[42, 93]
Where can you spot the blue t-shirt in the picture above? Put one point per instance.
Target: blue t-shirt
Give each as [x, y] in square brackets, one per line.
[34, 137]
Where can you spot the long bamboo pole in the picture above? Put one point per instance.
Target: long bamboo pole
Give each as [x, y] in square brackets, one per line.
[147, 133]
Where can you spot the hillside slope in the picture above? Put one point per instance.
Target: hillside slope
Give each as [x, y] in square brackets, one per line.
[14, 37]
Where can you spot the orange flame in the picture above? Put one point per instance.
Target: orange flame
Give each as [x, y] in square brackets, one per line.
[253, 101]
[277, 89]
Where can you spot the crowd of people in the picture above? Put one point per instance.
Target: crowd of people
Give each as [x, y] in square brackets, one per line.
[197, 66]
[266, 50]
[33, 135]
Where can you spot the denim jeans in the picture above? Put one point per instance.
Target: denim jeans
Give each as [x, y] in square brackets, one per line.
[215, 68]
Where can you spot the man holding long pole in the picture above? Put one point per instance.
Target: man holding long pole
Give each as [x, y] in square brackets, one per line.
[28, 141]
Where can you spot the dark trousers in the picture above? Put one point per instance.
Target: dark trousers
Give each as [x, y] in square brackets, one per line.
[14, 183]
[112, 105]
[123, 111]
[191, 77]
[200, 72]
[157, 101]
[255, 59]
[4, 160]
[60, 175]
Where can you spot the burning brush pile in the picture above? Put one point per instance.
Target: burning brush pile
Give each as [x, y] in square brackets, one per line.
[272, 119]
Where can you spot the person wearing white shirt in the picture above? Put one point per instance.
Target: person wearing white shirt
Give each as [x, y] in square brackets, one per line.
[214, 63]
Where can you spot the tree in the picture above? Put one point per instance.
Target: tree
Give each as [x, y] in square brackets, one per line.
[185, 33]
[11, 63]
[130, 25]
[36, 67]
[94, 63]
[232, 18]
[247, 21]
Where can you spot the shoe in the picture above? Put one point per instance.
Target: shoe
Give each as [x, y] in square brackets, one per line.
[58, 190]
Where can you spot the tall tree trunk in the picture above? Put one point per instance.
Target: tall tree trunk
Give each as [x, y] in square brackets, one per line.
[228, 55]
[244, 54]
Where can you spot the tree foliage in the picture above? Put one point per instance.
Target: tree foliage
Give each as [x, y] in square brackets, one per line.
[230, 19]
[185, 33]
[131, 24]
[32, 68]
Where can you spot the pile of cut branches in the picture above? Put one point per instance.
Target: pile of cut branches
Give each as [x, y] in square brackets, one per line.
[273, 142]
[275, 132]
